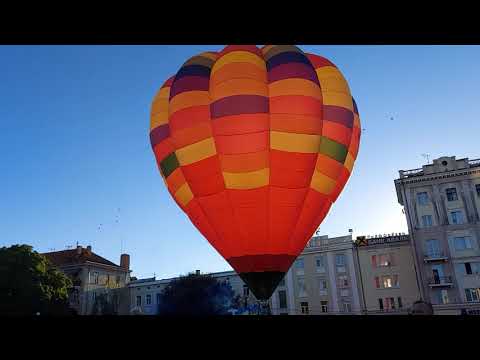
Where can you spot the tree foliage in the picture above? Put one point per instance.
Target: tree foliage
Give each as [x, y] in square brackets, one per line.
[196, 295]
[29, 284]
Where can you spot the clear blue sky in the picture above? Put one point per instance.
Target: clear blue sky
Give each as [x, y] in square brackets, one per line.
[74, 144]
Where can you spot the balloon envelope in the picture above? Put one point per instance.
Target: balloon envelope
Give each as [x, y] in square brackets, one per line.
[254, 145]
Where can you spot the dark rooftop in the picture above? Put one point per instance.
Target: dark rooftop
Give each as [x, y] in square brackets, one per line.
[76, 256]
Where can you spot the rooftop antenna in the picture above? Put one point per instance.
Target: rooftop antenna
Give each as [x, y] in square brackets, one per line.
[427, 156]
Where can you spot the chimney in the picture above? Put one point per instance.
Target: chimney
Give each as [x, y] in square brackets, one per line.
[125, 261]
[79, 250]
[89, 250]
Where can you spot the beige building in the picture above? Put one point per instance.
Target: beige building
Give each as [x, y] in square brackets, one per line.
[387, 274]
[323, 280]
[442, 202]
[93, 276]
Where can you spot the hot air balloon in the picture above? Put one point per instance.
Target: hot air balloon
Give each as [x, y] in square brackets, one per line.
[254, 145]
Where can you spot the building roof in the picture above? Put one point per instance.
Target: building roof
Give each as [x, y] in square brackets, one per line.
[139, 281]
[74, 257]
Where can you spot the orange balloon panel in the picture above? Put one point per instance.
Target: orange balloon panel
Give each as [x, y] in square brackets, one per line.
[254, 145]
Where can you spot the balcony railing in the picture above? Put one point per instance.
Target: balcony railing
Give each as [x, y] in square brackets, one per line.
[436, 256]
[440, 281]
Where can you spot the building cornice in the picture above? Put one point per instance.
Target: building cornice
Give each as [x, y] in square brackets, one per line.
[432, 177]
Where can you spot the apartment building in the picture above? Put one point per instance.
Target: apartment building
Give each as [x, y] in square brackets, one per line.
[441, 201]
[323, 280]
[387, 273]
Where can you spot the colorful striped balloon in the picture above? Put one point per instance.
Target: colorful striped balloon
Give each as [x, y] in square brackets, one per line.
[255, 145]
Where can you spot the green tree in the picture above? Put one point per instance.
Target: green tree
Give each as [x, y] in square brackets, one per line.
[196, 294]
[29, 284]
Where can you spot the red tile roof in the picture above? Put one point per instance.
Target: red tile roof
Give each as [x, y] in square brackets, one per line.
[71, 257]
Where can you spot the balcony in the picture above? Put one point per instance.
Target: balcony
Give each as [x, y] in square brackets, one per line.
[436, 256]
[440, 281]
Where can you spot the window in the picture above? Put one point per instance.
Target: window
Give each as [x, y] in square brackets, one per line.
[282, 299]
[470, 268]
[342, 281]
[304, 307]
[320, 263]
[302, 291]
[385, 260]
[139, 301]
[347, 307]
[324, 305]
[300, 266]
[340, 261]
[433, 248]
[117, 279]
[344, 292]
[477, 187]
[462, 243]
[422, 198]
[452, 194]
[158, 298]
[475, 268]
[322, 284]
[389, 303]
[444, 296]
[149, 299]
[438, 274]
[94, 296]
[400, 305]
[473, 295]
[246, 291]
[94, 278]
[388, 281]
[380, 304]
[427, 220]
[457, 217]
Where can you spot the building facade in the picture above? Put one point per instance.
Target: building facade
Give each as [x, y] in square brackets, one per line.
[387, 273]
[93, 278]
[442, 202]
[323, 280]
[144, 294]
